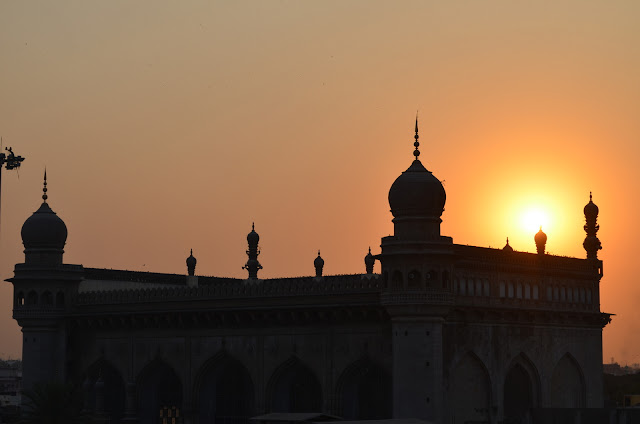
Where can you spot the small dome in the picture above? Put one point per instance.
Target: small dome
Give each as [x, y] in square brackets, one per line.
[540, 237]
[253, 237]
[44, 229]
[369, 259]
[191, 260]
[318, 262]
[507, 247]
[416, 192]
[591, 209]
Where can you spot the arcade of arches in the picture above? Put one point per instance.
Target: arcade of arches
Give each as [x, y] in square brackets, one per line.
[224, 392]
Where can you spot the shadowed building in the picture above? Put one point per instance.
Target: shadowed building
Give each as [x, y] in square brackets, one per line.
[446, 332]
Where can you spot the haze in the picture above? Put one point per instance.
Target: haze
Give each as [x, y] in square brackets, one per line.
[166, 126]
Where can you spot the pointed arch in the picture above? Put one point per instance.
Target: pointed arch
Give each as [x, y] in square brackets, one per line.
[112, 393]
[47, 298]
[159, 388]
[32, 298]
[414, 279]
[397, 280]
[363, 391]
[567, 384]
[293, 387]
[223, 391]
[470, 390]
[521, 389]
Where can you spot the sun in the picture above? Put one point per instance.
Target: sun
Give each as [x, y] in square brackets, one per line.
[533, 219]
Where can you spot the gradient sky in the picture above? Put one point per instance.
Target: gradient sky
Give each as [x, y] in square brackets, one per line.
[168, 125]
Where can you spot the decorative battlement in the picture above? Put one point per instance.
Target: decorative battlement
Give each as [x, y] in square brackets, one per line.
[213, 287]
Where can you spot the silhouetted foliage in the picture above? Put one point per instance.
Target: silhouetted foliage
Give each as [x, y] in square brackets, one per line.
[52, 403]
[616, 386]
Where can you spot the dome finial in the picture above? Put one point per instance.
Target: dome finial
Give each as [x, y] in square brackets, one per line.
[416, 144]
[44, 187]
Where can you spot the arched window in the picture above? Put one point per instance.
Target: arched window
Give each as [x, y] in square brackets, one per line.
[535, 292]
[519, 293]
[510, 290]
[47, 298]
[478, 287]
[32, 298]
[487, 288]
[570, 295]
[414, 280]
[20, 299]
[502, 289]
[527, 291]
[60, 299]
[563, 296]
[396, 281]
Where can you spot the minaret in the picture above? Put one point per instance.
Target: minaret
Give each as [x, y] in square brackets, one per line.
[252, 265]
[318, 264]
[369, 262]
[191, 264]
[541, 241]
[591, 243]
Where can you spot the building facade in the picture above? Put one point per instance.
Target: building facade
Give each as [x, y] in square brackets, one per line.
[447, 333]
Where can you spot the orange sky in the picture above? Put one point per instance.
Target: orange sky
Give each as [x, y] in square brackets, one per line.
[167, 125]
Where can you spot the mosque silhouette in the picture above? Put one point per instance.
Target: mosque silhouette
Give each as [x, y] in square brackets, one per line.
[446, 333]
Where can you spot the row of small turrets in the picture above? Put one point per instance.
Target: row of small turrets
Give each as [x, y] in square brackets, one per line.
[591, 243]
[253, 266]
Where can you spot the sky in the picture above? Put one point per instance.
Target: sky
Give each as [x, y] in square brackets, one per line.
[166, 126]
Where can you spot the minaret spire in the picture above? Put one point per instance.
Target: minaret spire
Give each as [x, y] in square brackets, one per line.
[44, 187]
[416, 144]
[591, 243]
[252, 265]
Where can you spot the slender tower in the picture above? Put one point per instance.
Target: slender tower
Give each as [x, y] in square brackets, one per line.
[252, 265]
[591, 243]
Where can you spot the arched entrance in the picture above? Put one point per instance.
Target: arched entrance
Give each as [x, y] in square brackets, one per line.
[470, 390]
[108, 395]
[159, 394]
[567, 384]
[364, 392]
[520, 390]
[294, 388]
[224, 392]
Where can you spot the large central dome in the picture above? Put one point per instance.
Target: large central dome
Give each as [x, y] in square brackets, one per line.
[416, 192]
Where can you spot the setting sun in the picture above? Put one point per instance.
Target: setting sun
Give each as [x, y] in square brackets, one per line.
[533, 219]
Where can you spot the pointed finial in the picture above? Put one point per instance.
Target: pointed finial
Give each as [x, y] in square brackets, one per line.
[416, 144]
[590, 197]
[191, 252]
[318, 252]
[369, 249]
[253, 226]
[44, 187]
